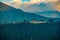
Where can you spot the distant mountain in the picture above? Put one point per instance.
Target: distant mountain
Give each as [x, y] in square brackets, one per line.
[4, 7]
[49, 14]
[41, 7]
[9, 14]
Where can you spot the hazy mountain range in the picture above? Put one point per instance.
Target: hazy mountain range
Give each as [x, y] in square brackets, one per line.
[37, 7]
[48, 8]
[43, 9]
[9, 14]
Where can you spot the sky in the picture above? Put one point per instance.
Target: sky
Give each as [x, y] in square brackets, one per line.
[18, 3]
[27, 0]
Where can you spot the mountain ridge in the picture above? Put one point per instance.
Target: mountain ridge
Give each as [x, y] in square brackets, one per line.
[49, 14]
[17, 15]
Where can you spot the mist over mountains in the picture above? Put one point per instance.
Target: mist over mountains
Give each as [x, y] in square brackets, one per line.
[43, 9]
[37, 7]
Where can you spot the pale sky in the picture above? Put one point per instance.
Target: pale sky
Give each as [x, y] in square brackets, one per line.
[26, 2]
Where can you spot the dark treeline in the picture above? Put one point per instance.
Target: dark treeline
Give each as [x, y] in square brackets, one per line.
[30, 31]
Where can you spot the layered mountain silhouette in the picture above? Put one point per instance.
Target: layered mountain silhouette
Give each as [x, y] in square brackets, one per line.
[37, 7]
[48, 11]
[10, 14]
[49, 14]
[43, 9]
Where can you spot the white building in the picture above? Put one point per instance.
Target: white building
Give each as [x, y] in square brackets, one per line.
[38, 21]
